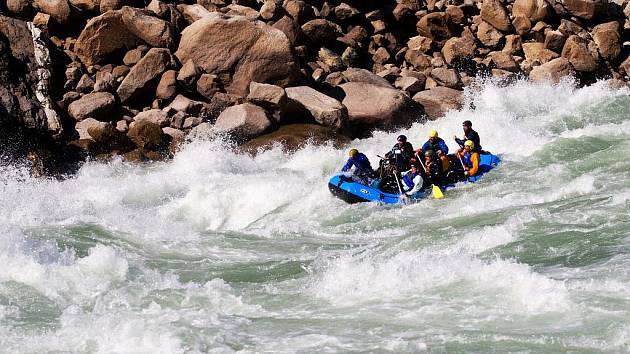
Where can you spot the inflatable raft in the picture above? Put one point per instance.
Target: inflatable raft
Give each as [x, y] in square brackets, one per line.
[344, 187]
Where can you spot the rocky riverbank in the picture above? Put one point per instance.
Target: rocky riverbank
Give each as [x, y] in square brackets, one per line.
[97, 78]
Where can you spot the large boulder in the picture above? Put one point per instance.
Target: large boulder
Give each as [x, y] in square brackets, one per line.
[93, 105]
[244, 121]
[362, 75]
[155, 116]
[439, 100]
[586, 9]
[145, 75]
[104, 36]
[145, 134]
[435, 25]
[87, 5]
[495, 13]
[154, 31]
[252, 52]
[533, 10]
[270, 97]
[376, 107]
[488, 35]
[57, 9]
[321, 31]
[536, 53]
[553, 70]
[459, 48]
[608, 40]
[296, 136]
[323, 109]
[576, 50]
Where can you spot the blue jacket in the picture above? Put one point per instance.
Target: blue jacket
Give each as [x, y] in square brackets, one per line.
[438, 145]
[361, 164]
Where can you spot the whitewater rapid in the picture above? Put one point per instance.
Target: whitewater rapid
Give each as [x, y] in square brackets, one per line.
[222, 252]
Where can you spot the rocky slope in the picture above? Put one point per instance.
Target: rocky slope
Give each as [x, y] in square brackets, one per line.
[134, 78]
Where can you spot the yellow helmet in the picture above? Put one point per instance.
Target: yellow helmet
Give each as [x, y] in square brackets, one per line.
[470, 144]
[433, 133]
[353, 152]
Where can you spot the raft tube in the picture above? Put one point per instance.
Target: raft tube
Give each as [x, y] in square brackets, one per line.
[343, 187]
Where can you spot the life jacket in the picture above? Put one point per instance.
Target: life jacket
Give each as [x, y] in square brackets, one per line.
[408, 179]
[466, 160]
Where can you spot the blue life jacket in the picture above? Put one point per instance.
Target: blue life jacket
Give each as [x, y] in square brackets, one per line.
[439, 144]
[408, 179]
[466, 160]
[361, 164]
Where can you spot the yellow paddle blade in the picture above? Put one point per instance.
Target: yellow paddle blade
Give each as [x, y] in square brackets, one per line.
[437, 192]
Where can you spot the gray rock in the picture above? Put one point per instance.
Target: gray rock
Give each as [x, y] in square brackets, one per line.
[94, 105]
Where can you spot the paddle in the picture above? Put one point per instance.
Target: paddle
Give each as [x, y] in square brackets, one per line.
[462, 162]
[435, 190]
[398, 184]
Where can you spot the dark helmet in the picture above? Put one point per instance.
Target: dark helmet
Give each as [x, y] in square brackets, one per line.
[467, 123]
[402, 139]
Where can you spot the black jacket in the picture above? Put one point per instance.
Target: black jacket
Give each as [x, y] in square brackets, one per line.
[472, 135]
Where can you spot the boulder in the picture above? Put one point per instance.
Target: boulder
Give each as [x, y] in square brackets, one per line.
[155, 116]
[553, 71]
[239, 10]
[145, 134]
[321, 31]
[107, 5]
[167, 87]
[323, 109]
[244, 121]
[435, 26]
[152, 30]
[345, 12]
[271, 10]
[207, 85]
[418, 60]
[608, 40]
[255, 51]
[362, 75]
[495, 13]
[503, 61]
[296, 136]
[533, 10]
[410, 84]
[299, 10]
[536, 53]
[184, 104]
[57, 9]
[586, 9]
[188, 75]
[21, 8]
[102, 132]
[521, 24]
[387, 109]
[446, 77]
[193, 12]
[290, 28]
[576, 51]
[459, 48]
[144, 76]
[103, 36]
[439, 100]
[488, 35]
[93, 105]
[105, 82]
[420, 43]
[86, 5]
[269, 97]
[329, 60]
[554, 40]
[513, 44]
[83, 127]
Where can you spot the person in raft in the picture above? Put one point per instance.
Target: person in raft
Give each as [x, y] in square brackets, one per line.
[401, 154]
[437, 146]
[469, 158]
[412, 181]
[469, 134]
[362, 167]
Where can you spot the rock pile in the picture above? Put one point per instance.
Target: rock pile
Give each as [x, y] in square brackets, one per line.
[133, 77]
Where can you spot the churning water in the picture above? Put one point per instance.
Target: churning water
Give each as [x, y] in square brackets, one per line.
[221, 252]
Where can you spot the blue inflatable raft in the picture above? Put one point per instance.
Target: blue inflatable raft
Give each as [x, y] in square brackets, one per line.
[343, 187]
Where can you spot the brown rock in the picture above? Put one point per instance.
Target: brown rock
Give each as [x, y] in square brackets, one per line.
[269, 97]
[536, 53]
[389, 108]
[345, 12]
[410, 84]
[381, 56]
[513, 44]
[193, 13]
[256, 52]
[85, 84]
[144, 76]
[120, 72]
[459, 48]
[290, 28]
[82, 127]
[576, 51]
[244, 121]
[271, 10]
[362, 75]
[184, 104]
[331, 61]
[446, 77]
[608, 40]
[420, 43]
[87, 5]
[239, 10]
[299, 10]
[435, 26]
[93, 105]
[208, 85]
[296, 136]
[534, 10]
[554, 40]
[102, 132]
[586, 9]
[155, 116]
[323, 109]
[133, 56]
[321, 31]
[145, 134]
[358, 34]
[57, 9]
[106, 5]
[624, 67]
[21, 8]
[553, 70]
[103, 36]
[488, 35]
[379, 26]
[188, 75]
[419, 60]
[568, 28]
[456, 14]
[439, 100]
[154, 31]
[495, 13]
[167, 87]
[504, 61]
[105, 82]
[522, 24]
